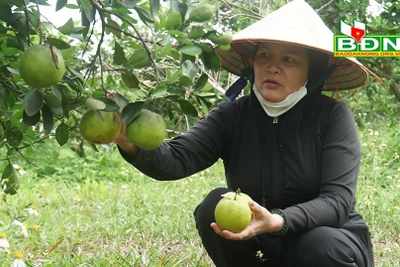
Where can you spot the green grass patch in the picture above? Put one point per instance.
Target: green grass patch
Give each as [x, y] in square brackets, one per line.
[100, 211]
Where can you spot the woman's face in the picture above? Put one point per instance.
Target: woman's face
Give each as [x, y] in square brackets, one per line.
[279, 70]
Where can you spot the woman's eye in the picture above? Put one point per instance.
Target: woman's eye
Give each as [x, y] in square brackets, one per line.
[289, 59]
[264, 55]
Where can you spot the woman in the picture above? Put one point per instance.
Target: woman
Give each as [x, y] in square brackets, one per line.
[292, 149]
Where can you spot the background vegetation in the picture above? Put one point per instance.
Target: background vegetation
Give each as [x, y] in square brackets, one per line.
[93, 208]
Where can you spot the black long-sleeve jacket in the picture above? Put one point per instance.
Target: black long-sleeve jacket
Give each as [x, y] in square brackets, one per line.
[304, 162]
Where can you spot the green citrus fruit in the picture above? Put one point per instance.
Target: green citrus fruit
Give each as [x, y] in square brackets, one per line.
[147, 130]
[10, 180]
[233, 212]
[41, 66]
[222, 40]
[100, 130]
[202, 12]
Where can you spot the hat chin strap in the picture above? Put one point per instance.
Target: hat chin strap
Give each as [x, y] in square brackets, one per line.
[237, 87]
[316, 82]
[248, 75]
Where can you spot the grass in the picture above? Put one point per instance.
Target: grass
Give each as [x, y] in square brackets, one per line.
[99, 211]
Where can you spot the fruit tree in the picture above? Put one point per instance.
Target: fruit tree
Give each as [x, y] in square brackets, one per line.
[126, 56]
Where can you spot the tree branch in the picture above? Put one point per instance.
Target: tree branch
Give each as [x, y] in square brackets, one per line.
[99, 8]
[324, 6]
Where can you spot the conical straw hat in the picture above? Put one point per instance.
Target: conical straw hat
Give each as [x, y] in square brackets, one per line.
[295, 23]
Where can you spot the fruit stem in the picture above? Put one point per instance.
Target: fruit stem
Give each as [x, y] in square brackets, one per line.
[54, 56]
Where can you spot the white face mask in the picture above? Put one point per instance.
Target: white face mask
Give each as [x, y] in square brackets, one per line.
[279, 108]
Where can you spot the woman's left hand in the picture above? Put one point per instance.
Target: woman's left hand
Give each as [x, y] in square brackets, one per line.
[262, 222]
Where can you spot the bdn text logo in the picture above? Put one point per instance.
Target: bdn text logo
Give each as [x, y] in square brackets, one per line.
[354, 42]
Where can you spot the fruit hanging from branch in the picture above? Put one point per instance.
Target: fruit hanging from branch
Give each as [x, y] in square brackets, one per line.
[147, 130]
[41, 66]
[101, 128]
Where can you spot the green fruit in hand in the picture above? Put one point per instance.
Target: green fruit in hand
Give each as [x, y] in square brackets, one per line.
[147, 130]
[41, 66]
[100, 130]
[10, 180]
[202, 12]
[233, 212]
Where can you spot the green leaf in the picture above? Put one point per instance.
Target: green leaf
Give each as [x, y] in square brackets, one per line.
[60, 4]
[127, 3]
[139, 59]
[58, 43]
[13, 135]
[154, 6]
[166, 49]
[30, 120]
[1, 132]
[119, 54]
[48, 120]
[110, 104]
[12, 185]
[94, 103]
[172, 75]
[211, 61]
[173, 21]
[161, 90]
[204, 108]
[68, 27]
[196, 32]
[33, 102]
[130, 80]
[62, 134]
[130, 111]
[54, 103]
[191, 50]
[114, 25]
[5, 11]
[201, 82]
[144, 16]
[187, 108]
[121, 101]
[88, 10]
[93, 146]
[189, 69]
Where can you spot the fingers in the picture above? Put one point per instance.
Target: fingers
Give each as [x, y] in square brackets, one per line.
[243, 235]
